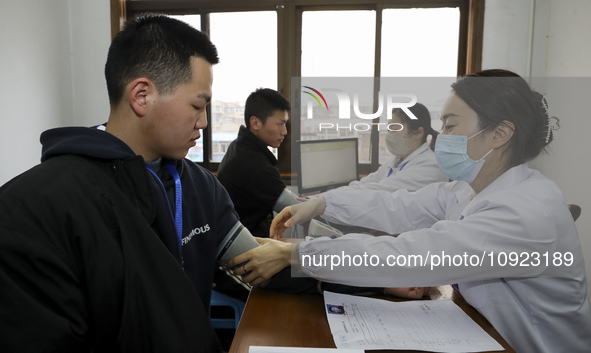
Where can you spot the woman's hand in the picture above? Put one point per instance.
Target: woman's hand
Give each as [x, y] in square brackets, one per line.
[261, 263]
[408, 292]
[292, 215]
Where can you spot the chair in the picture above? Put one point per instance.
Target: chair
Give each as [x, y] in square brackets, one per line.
[219, 299]
[575, 211]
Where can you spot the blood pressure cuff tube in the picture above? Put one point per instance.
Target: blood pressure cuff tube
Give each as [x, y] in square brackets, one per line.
[237, 241]
[287, 198]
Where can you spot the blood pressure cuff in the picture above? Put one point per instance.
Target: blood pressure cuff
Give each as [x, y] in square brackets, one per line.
[237, 241]
[287, 198]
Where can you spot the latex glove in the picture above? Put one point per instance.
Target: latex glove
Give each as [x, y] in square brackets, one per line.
[292, 215]
[261, 263]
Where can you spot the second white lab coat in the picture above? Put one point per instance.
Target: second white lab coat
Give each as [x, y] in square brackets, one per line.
[535, 308]
[419, 169]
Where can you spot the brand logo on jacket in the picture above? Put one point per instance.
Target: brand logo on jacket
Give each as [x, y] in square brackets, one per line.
[196, 231]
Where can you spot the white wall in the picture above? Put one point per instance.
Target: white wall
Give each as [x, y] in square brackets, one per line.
[556, 55]
[506, 35]
[52, 54]
[91, 37]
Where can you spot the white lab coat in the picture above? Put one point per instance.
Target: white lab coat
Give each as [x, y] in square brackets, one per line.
[521, 211]
[420, 168]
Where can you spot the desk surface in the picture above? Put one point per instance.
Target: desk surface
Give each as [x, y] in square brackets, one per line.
[299, 320]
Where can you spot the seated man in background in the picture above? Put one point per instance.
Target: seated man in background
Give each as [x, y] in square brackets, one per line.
[248, 170]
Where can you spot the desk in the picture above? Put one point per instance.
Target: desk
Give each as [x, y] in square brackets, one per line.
[299, 320]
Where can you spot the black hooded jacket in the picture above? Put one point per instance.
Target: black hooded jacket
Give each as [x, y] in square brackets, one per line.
[89, 255]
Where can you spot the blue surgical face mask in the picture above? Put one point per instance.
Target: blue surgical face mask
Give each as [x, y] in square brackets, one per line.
[451, 152]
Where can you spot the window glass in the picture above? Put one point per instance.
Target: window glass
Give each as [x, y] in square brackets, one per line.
[415, 43]
[420, 43]
[333, 47]
[247, 47]
[338, 44]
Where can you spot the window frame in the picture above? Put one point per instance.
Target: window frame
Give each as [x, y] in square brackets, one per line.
[289, 23]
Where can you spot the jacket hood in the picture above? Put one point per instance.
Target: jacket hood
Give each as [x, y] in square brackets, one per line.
[91, 142]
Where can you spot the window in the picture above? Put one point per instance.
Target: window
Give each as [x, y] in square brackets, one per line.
[332, 47]
[268, 42]
[420, 43]
[247, 47]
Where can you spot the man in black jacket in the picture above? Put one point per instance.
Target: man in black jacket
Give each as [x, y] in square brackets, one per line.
[248, 170]
[110, 244]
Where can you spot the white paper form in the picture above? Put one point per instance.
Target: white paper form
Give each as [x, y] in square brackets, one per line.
[428, 325]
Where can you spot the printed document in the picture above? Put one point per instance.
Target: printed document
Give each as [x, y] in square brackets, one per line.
[427, 325]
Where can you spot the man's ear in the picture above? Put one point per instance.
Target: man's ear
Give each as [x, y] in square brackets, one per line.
[139, 89]
[503, 133]
[255, 123]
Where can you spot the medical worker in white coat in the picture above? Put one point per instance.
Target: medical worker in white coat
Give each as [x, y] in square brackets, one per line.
[413, 164]
[496, 211]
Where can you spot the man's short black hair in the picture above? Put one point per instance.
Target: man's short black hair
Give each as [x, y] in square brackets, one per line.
[263, 103]
[157, 47]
